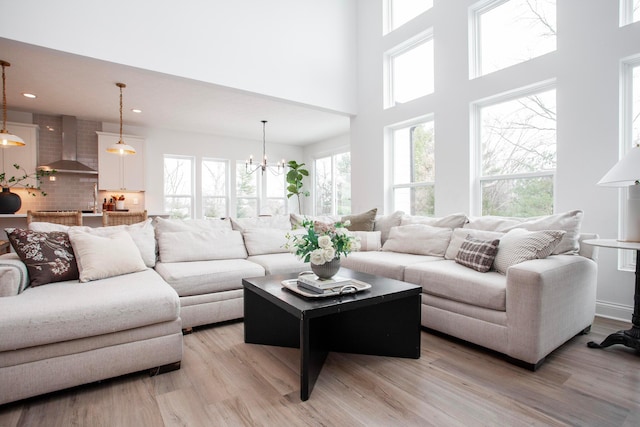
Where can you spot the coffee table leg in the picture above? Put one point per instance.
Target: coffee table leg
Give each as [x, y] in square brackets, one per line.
[312, 356]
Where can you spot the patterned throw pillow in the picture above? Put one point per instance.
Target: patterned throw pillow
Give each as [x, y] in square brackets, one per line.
[477, 254]
[519, 245]
[48, 256]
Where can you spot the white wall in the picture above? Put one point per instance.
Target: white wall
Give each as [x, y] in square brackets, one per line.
[159, 142]
[298, 50]
[586, 67]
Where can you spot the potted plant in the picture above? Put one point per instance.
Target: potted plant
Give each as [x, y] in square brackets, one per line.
[11, 202]
[294, 180]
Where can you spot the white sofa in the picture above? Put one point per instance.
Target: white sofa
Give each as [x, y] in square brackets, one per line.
[67, 333]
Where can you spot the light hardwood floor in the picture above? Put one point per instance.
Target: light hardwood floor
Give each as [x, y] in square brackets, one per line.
[226, 382]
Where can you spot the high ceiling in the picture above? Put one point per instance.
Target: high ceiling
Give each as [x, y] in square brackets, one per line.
[67, 84]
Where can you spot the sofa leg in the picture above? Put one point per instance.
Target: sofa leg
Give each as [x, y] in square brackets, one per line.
[187, 331]
[585, 331]
[164, 369]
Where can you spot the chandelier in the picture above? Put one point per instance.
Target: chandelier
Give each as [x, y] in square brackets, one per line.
[275, 169]
[6, 138]
[120, 147]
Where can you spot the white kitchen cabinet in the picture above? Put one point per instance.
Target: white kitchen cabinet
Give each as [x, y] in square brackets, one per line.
[26, 156]
[120, 172]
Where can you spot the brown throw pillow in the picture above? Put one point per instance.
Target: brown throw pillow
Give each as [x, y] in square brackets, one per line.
[477, 254]
[361, 222]
[48, 256]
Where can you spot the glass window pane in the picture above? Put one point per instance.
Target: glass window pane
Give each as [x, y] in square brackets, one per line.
[178, 207]
[403, 11]
[214, 178]
[414, 154]
[415, 200]
[214, 207]
[275, 207]
[178, 175]
[275, 185]
[246, 208]
[518, 197]
[635, 124]
[519, 136]
[515, 31]
[636, 11]
[324, 186]
[343, 183]
[412, 73]
[246, 183]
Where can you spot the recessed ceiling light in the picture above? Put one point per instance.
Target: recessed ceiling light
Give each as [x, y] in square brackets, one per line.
[136, 110]
[29, 95]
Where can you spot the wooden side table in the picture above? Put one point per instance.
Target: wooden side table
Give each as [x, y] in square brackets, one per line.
[5, 247]
[630, 337]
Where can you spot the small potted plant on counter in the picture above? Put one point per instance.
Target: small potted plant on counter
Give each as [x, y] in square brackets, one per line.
[11, 202]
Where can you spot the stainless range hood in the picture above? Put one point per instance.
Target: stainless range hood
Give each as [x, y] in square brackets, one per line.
[69, 162]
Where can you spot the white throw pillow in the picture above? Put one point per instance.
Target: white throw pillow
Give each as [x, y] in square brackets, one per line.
[260, 241]
[47, 227]
[203, 245]
[163, 224]
[450, 221]
[99, 257]
[460, 234]
[369, 240]
[296, 220]
[281, 222]
[384, 223]
[418, 239]
[519, 245]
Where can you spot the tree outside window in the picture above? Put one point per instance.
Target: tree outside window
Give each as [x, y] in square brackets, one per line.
[414, 168]
[178, 186]
[518, 155]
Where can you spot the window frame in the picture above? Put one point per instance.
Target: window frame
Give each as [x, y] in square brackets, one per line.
[227, 185]
[388, 13]
[261, 198]
[626, 13]
[476, 143]
[192, 196]
[389, 130]
[334, 206]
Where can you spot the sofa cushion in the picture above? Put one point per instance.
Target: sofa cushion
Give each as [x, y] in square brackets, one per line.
[385, 264]
[460, 234]
[569, 222]
[519, 245]
[65, 311]
[201, 245]
[418, 239]
[450, 221]
[49, 256]
[162, 224]
[296, 219]
[384, 223]
[259, 241]
[99, 257]
[142, 234]
[282, 263]
[203, 277]
[369, 240]
[447, 279]
[477, 254]
[14, 277]
[281, 222]
[361, 222]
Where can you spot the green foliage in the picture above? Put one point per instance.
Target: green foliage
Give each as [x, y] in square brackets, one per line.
[295, 178]
[15, 180]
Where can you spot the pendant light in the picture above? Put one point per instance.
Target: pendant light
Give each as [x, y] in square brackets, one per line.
[7, 139]
[264, 165]
[120, 147]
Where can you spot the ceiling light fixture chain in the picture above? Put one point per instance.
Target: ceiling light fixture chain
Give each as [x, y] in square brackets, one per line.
[275, 169]
[120, 147]
[7, 139]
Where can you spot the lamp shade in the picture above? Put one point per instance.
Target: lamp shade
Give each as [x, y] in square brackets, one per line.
[624, 173]
[8, 139]
[121, 148]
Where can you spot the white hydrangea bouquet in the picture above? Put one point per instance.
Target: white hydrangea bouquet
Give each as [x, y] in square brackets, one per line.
[322, 242]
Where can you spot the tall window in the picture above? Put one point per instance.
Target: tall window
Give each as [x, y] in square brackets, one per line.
[215, 197]
[508, 32]
[410, 72]
[517, 146]
[400, 12]
[178, 186]
[635, 108]
[333, 185]
[414, 168]
[629, 12]
[259, 193]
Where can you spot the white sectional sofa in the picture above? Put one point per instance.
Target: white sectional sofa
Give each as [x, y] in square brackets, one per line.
[125, 310]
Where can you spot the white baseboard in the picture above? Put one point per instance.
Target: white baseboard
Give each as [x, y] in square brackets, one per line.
[614, 311]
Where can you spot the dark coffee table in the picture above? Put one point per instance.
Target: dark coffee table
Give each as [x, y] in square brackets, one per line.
[382, 321]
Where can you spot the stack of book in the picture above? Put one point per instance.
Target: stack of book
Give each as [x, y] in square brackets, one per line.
[313, 283]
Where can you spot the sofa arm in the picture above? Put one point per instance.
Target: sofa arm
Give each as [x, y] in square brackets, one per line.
[13, 275]
[548, 302]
